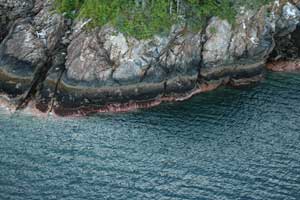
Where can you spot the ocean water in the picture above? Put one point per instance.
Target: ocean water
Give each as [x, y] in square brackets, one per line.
[223, 145]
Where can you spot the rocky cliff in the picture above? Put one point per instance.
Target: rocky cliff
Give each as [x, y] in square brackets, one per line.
[55, 64]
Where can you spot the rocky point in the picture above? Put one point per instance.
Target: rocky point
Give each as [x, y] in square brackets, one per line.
[57, 64]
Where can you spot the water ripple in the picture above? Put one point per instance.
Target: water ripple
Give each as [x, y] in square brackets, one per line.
[226, 144]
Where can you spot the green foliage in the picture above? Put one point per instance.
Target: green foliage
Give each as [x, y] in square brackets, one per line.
[68, 6]
[200, 10]
[144, 18]
[253, 4]
[213, 30]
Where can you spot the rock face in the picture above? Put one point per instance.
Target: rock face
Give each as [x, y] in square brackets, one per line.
[66, 68]
[11, 10]
[30, 46]
[30, 38]
[111, 59]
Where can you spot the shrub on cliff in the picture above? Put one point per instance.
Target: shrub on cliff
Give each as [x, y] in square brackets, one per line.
[144, 18]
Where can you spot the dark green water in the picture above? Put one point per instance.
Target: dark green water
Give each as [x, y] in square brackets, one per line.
[226, 144]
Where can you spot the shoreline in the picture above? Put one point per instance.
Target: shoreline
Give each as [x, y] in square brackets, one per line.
[132, 106]
[32, 107]
[50, 64]
[284, 66]
[38, 109]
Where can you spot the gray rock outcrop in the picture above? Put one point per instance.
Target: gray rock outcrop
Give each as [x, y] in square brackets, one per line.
[65, 67]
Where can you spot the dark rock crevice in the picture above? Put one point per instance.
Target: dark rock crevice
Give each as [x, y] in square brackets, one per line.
[287, 47]
[286, 54]
[39, 77]
[55, 92]
[204, 39]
